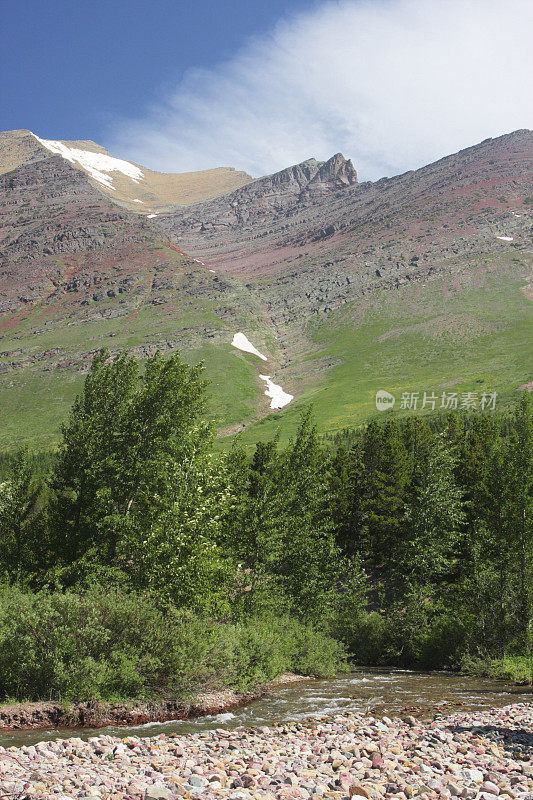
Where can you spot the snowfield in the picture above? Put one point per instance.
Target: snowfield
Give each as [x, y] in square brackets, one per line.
[279, 398]
[241, 342]
[96, 164]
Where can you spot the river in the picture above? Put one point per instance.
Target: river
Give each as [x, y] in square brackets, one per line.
[380, 692]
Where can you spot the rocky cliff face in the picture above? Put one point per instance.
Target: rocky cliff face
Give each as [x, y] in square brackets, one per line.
[70, 255]
[266, 199]
[312, 238]
[54, 225]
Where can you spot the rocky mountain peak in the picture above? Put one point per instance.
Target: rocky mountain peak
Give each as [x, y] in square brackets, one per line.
[270, 197]
[336, 173]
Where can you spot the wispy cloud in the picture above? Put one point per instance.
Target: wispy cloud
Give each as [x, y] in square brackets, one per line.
[394, 84]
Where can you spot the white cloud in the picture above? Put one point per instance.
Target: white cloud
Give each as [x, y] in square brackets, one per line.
[393, 84]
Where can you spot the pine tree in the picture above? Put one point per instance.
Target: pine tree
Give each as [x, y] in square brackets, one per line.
[381, 479]
[18, 499]
[433, 518]
[518, 513]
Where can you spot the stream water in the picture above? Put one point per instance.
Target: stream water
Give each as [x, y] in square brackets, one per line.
[380, 692]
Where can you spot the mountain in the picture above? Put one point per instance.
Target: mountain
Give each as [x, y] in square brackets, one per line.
[130, 185]
[329, 289]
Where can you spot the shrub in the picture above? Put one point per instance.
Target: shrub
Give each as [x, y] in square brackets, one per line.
[107, 643]
[514, 669]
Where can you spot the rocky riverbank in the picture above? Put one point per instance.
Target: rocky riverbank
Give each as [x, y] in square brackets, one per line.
[53, 714]
[476, 756]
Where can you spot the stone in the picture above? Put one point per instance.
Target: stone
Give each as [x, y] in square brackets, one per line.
[158, 792]
[454, 789]
[473, 775]
[198, 780]
[292, 762]
[490, 787]
[356, 790]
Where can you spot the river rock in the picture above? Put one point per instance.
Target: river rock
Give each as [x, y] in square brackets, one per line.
[359, 791]
[199, 781]
[473, 775]
[331, 758]
[158, 792]
[490, 787]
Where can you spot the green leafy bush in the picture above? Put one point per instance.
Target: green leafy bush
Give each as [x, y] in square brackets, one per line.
[514, 669]
[106, 644]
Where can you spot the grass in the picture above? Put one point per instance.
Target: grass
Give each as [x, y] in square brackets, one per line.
[474, 338]
[35, 399]
[467, 333]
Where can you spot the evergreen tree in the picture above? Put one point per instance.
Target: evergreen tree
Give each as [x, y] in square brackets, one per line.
[381, 478]
[310, 560]
[518, 513]
[18, 500]
[433, 518]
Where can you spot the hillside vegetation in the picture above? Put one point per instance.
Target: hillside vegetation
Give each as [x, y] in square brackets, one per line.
[141, 564]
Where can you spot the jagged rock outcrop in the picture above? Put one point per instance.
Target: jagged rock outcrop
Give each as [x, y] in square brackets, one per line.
[267, 198]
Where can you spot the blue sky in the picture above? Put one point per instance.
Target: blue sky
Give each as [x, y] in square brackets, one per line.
[177, 85]
[69, 67]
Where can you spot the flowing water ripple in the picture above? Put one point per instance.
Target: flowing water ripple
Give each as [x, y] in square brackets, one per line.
[386, 692]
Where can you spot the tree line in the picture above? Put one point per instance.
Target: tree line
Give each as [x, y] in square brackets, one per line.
[409, 541]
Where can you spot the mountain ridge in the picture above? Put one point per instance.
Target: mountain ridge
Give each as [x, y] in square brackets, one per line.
[338, 283]
[148, 192]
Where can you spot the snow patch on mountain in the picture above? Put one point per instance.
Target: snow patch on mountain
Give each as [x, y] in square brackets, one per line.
[241, 342]
[279, 398]
[96, 164]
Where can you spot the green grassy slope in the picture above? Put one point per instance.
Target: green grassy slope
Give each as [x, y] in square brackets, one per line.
[470, 333]
[45, 353]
